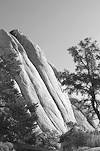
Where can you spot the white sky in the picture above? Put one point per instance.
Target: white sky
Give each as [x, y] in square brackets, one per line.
[55, 25]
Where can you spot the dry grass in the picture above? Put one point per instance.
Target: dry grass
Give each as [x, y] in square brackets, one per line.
[77, 139]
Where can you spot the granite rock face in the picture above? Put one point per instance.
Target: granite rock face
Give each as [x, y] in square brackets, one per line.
[38, 59]
[36, 80]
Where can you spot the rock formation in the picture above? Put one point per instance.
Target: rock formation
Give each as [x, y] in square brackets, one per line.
[81, 119]
[36, 80]
[38, 59]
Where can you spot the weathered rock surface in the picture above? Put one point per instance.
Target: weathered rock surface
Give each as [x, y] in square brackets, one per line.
[81, 119]
[9, 46]
[44, 69]
[37, 81]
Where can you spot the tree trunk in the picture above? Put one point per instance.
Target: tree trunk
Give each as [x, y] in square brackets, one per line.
[93, 102]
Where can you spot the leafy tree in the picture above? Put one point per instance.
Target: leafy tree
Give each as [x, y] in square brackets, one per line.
[16, 120]
[86, 79]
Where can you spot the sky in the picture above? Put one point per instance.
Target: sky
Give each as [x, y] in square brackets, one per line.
[55, 25]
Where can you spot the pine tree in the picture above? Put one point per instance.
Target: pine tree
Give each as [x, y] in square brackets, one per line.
[16, 120]
[86, 78]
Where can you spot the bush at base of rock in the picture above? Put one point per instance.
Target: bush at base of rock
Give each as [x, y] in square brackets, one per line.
[47, 140]
[77, 138]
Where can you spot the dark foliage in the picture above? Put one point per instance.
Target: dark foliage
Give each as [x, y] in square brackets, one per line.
[86, 79]
[16, 120]
[48, 140]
